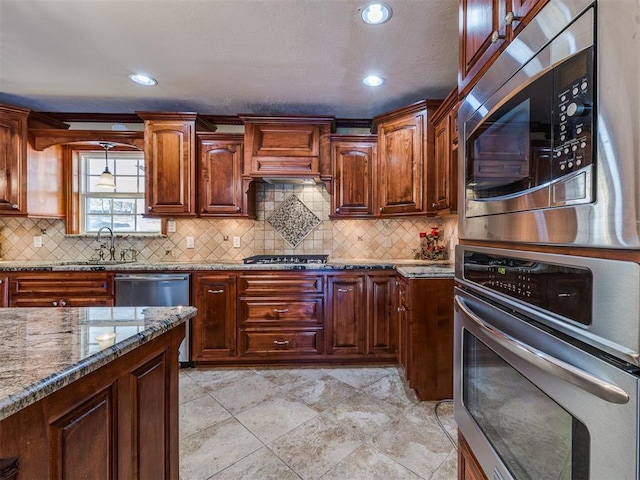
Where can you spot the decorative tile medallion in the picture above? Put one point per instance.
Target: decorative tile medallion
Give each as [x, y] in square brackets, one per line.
[293, 220]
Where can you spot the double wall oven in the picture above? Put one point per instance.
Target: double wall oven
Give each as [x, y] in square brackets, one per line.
[547, 342]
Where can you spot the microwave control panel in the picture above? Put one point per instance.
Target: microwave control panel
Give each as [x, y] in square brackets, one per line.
[573, 114]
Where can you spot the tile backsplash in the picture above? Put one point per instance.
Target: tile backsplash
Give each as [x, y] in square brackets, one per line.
[395, 238]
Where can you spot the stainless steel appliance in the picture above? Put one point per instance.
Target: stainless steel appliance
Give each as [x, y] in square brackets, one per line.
[155, 290]
[288, 259]
[549, 140]
[533, 398]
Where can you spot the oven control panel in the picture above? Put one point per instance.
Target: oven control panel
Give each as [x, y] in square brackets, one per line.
[565, 291]
[573, 114]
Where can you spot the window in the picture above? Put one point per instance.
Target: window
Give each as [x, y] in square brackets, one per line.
[122, 209]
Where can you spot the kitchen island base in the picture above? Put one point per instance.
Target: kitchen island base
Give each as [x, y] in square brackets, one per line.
[119, 421]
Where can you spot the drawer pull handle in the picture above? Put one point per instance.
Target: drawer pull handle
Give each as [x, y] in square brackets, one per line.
[63, 303]
[344, 290]
[281, 342]
[55, 304]
[215, 291]
[280, 310]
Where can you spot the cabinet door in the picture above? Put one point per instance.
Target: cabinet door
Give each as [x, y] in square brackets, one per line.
[400, 168]
[453, 171]
[170, 160]
[381, 317]
[442, 164]
[214, 328]
[4, 291]
[346, 323]
[482, 34]
[468, 466]
[221, 177]
[352, 163]
[13, 161]
[403, 326]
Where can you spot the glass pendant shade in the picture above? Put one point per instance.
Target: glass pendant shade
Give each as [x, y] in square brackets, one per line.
[106, 179]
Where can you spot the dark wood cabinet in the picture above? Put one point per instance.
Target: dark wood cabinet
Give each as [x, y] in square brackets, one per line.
[346, 326]
[281, 315]
[468, 466]
[287, 146]
[170, 160]
[443, 178]
[404, 163]
[382, 331]
[425, 307]
[213, 329]
[221, 191]
[120, 421]
[61, 289]
[13, 160]
[4, 291]
[352, 160]
[486, 27]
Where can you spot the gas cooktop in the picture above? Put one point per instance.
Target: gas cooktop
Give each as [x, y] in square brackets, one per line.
[288, 259]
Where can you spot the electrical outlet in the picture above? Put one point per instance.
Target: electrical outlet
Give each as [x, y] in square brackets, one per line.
[171, 226]
[190, 242]
[37, 241]
[236, 242]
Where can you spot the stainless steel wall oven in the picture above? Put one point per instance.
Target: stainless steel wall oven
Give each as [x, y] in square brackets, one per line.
[549, 135]
[543, 388]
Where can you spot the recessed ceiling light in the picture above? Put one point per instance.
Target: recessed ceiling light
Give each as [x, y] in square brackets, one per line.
[376, 13]
[373, 81]
[142, 79]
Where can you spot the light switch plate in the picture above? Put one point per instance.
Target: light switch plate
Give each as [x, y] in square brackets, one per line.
[37, 241]
[236, 242]
[190, 242]
[171, 226]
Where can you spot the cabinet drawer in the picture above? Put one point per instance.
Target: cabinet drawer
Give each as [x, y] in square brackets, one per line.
[274, 310]
[86, 284]
[279, 285]
[63, 302]
[281, 341]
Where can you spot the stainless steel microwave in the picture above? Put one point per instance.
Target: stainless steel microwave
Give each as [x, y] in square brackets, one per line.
[550, 135]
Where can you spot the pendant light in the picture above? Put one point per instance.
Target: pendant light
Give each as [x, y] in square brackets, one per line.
[106, 179]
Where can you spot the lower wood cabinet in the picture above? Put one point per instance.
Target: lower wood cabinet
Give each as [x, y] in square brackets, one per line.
[425, 307]
[346, 323]
[120, 421]
[468, 466]
[61, 289]
[4, 291]
[213, 329]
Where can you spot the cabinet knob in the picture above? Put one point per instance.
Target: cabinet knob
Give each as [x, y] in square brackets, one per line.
[281, 342]
[434, 205]
[149, 208]
[14, 206]
[344, 290]
[380, 209]
[215, 291]
[63, 303]
[1, 282]
[495, 37]
[54, 303]
[238, 209]
[338, 210]
[511, 17]
[280, 310]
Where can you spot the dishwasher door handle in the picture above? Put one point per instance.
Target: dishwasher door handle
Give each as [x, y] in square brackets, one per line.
[150, 278]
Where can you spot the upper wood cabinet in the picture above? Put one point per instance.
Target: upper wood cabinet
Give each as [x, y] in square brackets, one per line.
[287, 146]
[405, 155]
[486, 27]
[444, 173]
[352, 161]
[170, 160]
[13, 160]
[221, 191]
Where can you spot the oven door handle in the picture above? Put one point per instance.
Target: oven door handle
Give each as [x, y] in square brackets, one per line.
[602, 389]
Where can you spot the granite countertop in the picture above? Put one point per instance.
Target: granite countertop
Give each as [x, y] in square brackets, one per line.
[45, 349]
[406, 267]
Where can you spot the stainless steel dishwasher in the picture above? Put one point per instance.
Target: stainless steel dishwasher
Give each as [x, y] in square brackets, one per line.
[155, 290]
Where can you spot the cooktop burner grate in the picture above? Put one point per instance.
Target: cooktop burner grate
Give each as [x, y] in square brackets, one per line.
[293, 259]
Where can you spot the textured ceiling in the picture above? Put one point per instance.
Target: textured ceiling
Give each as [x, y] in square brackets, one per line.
[222, 57]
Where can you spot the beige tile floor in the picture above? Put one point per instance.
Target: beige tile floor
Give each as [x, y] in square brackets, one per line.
[310, 423]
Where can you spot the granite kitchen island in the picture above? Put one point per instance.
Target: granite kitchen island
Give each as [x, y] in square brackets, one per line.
[90, 392]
